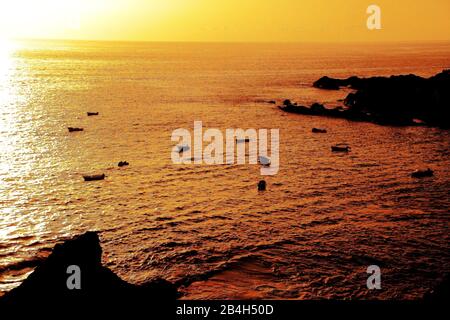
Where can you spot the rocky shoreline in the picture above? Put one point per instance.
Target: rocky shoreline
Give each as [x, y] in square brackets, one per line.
[406, 100]
[101, 289]
[48, 283]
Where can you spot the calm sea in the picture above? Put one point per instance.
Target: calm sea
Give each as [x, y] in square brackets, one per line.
[323, 220]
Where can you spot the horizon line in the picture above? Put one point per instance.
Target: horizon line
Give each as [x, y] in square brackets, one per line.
[235, 41]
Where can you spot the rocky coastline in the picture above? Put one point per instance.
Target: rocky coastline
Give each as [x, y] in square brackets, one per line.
[99, 286]
[405, 100]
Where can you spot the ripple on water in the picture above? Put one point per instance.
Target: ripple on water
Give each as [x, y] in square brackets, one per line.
[323, 218]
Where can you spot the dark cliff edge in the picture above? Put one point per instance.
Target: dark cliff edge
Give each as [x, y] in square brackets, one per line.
[405, 100]
[100, 287]
[441, 293]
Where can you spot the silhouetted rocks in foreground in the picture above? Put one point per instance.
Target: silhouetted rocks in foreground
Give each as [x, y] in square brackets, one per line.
[441, 293]
[100, 287]
[397, 100]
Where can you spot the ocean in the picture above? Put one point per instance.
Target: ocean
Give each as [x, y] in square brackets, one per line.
[322, 221]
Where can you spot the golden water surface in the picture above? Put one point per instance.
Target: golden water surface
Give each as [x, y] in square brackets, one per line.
[323, 220]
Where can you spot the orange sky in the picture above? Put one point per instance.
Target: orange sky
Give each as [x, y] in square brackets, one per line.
[224, 20]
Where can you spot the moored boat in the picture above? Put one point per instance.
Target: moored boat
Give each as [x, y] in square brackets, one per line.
[422, 173]
[341, 147]
[95, 177]
[123, 163]
[265, 161]
[317, 130]
[72, 129]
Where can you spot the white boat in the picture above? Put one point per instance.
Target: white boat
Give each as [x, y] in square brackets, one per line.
[264, 161]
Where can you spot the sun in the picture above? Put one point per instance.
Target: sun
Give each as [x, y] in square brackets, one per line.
[31, 18]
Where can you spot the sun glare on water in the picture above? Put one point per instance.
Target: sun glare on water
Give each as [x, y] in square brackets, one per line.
[6, 66]
[6, 50]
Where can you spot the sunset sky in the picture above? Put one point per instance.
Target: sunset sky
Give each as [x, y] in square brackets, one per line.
[227, 20]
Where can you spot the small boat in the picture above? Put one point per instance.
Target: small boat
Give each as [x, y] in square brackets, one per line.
[123, 164]
[95, 177]
[243, 140]
[342, 147]
[90, 114]
[262, 185]
[317, 130]
[72, 129]
[184, 148]
[264, 161]
[422, 173]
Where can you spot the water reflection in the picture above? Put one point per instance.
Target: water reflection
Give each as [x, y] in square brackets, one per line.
[15, 152]
[6, 107]
[193, 219]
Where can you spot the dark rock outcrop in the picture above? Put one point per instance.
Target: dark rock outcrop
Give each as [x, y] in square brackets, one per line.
[320, 110]
[328, 83]
[441, 293]
[100, 287]
[397, 100]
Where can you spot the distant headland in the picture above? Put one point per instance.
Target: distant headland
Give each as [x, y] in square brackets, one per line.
[404, 100]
